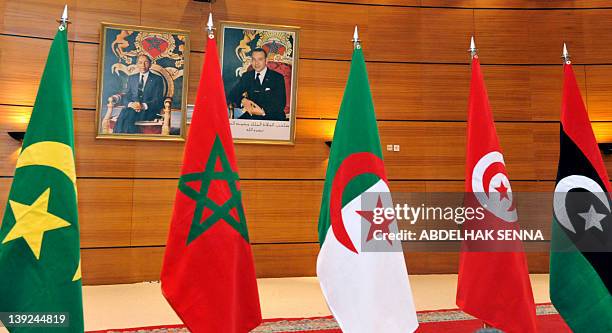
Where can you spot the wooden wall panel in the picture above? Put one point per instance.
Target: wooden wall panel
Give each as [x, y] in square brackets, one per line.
[442, 146]
[426, 34]
[326, 28]
[448, 3]
[400, 91]
[33, 18]
[510, 36]
[136, 264]
[144, 219]
[22, 61]
[285, 260]
[11, 119]
[448, 263]
[85, 76]
[122, 158]
[402, 3]
[38, 17]
[546, 87]
[314, 101]
[599, 88]
[496, 33]
[87, 15]
[282, 211]
[432, 262]
[429, 150]
[596, 25]
[152, 211]
[163, 160]
[603, 133]
[126, 265]
[295, 218]
[423, 35]
[419, 77]
[538, 262]
[185, 15]
[5, 187]
[509, 4]
[276, 211]
[121, 265]
[122, 213]
[383, 21]
[444, 35]
[105, 212]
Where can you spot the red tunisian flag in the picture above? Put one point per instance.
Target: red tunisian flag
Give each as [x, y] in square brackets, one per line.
[493, 286]
[208, 275]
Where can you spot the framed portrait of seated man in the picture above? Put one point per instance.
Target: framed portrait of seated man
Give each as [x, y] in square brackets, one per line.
[259, 68]
[142, 83]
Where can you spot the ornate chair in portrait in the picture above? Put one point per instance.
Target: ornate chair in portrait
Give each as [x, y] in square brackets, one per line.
[156, 47]
[280, 55]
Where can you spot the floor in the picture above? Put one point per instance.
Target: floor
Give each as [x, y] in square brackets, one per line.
[141, 304]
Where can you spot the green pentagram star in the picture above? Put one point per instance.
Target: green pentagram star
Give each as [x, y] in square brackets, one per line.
[220, 212]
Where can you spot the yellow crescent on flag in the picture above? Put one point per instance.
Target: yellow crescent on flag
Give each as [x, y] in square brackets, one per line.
[52, 154]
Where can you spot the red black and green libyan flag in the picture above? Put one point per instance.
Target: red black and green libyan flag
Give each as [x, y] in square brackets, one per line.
[580, 258]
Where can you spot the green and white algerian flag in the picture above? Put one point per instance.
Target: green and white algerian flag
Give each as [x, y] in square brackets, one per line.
[39, 237]
[366, 291]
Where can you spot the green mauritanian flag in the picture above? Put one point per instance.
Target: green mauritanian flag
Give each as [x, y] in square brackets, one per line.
[39, 237]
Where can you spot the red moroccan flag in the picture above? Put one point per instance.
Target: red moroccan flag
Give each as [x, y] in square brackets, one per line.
[493, 286]
[208, 275]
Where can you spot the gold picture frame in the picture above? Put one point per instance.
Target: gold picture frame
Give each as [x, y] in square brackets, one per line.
[273, 120]
[136, 101]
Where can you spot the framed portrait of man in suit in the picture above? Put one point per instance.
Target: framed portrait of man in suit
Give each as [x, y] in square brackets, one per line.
[142, 83]
[259, 67]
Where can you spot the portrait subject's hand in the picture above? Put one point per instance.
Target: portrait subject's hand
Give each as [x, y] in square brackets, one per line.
[247, 105]
[135, 105]
[257, 110]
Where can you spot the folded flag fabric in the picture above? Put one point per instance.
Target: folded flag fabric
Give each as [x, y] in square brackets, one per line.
[366, 291]
[208, 275]
[580, 258]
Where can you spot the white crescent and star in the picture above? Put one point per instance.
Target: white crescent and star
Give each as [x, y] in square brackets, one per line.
[592, 217]
[499, 184]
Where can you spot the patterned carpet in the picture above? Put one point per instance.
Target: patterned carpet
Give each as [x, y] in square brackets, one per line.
[430, 321]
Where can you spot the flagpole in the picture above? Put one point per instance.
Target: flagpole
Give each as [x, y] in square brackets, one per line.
[566, 57]
[474, 54]
[473, 50]
[356, 41]
[209, 27]
[63, 21]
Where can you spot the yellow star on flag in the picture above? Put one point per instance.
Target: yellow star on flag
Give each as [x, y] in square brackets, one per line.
[77, 273]
[32, 221]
